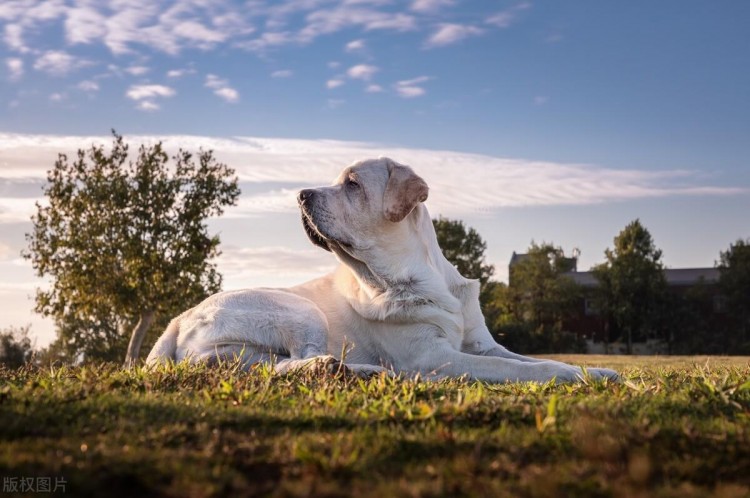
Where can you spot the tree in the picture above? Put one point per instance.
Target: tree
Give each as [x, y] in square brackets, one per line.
[464, 248]
[734, 282]
[632, 289]
[16, 348]
[531, 311]
[123, 241]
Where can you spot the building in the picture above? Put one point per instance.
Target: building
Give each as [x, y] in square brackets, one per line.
[698, 285]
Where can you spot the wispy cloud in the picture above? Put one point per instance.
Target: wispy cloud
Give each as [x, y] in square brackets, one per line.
[507, 17]
[363, 72]
[450, 33]
[148, 106]
[179, 73]
[15, 68]
[221, 88]
[411, 88]
[145, 96]
[88, 86]
[345, 16]
[460, 183]
[334, 83]
[59, 63]
[355, 46]
[282, 73]
[430, 6]
[140, 92]
[13, 38]
[250, 264]
[137, 70]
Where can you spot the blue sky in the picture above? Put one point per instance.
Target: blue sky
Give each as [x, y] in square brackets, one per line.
[556, 121]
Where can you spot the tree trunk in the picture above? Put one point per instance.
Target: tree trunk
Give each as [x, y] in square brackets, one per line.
[136, 339]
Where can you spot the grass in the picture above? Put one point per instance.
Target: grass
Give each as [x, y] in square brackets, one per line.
[673, 427]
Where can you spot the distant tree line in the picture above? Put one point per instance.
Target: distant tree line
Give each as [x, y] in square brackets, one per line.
[632, 298]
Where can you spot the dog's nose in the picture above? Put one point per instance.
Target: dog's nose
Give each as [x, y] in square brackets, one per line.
[305, 195]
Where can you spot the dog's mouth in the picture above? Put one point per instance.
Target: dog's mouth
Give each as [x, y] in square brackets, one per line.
[312, 232]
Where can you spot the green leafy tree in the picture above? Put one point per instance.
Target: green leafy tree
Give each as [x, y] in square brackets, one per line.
[734, 281]
[632, 291]
[530, 312]
[123, 241]
[16, 348]
[464, 248]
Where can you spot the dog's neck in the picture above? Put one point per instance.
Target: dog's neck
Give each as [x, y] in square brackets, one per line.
[423, 287]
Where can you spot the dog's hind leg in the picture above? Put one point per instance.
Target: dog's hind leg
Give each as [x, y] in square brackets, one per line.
[307, 343]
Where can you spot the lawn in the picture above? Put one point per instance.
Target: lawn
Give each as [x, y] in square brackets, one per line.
[673, 427]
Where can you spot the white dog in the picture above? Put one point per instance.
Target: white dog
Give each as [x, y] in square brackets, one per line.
[394, 299]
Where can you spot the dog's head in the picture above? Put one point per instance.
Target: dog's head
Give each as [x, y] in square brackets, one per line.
[363, 210]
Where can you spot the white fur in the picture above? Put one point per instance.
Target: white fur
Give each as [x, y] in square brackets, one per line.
[394, 303]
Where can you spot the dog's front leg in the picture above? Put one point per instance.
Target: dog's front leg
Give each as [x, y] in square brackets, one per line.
[480, 342]
[446, 361]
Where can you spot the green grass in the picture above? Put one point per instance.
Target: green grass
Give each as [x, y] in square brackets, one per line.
[673, 427]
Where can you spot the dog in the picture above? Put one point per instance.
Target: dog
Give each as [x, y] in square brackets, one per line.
[395, 302]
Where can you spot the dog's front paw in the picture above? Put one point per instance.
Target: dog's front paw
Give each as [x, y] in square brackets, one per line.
[603, 373]
[366, 371]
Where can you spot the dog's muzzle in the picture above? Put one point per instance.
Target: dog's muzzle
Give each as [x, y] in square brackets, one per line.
[305, 199]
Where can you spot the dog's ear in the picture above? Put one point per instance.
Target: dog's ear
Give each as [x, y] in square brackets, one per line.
[403, 192]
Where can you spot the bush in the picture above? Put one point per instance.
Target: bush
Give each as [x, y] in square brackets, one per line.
[16, 348]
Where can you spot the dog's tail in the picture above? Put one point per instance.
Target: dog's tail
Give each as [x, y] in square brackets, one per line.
[165, 347]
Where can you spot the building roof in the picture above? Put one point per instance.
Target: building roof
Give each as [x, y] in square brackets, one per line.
[674, 276]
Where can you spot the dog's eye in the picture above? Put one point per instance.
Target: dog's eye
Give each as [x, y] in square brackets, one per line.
[351, 183]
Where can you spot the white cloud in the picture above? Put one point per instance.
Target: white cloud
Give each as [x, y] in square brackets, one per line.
[334, 83]
[373, 88]
[137, 70]
[179, 73]
[355, 46]
[460, 183]
[449, 33]
[57, 97]
[409, 92]
[197, 32]
[283, 73]
[170, 26]
[88, 86]
[59, 63]
[267, 40]
[221, 88]
[228, 94]
[13, 37]
[328, 21]
[506, 18]
[363, 72]
[84, 24]
[430, 6]
[15, 68]
[334, 64]
[213, 81]
[148, 106]
[541, 100]
[142, 92]
[254, 263]
[410, 88]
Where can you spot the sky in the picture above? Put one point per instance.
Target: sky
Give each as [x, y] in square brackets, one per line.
[544, 121]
